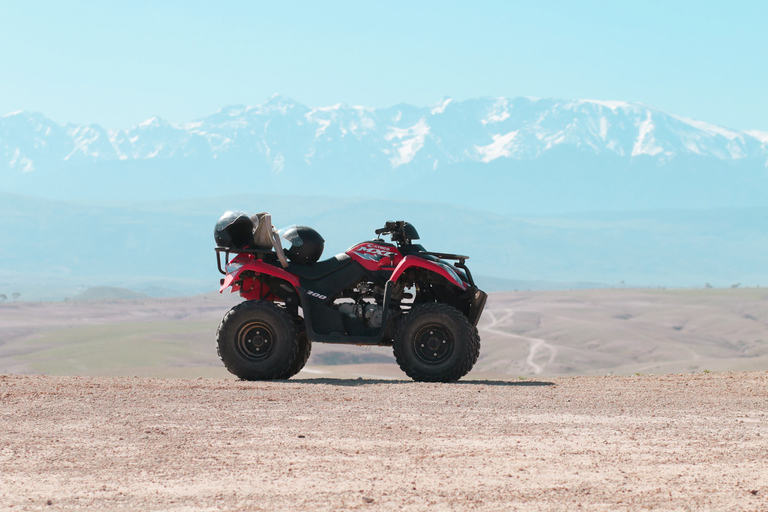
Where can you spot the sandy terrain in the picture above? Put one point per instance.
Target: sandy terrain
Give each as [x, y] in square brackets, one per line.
[674, 442]
[529, 334]
[599, 332]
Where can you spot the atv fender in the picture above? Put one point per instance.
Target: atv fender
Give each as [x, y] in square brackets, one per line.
[258, 267]
[415, 261]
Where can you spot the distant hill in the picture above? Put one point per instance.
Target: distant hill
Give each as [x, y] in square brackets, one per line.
[55, 249]
[524, 334]
[108, 293]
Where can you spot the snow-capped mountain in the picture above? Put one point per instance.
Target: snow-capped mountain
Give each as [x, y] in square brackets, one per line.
[497, 178]
[519, 156]
[283, 134]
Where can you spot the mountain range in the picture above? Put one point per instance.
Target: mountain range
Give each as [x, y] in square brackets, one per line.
[512, 155]
[541, 193]
[281, 133]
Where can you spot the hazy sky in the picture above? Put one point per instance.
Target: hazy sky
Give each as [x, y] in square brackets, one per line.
[118, 63]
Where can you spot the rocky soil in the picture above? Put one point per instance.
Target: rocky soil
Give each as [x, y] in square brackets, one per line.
[672, 442]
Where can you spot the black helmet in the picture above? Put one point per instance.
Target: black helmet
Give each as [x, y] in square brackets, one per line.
[234, 230]
[306, 244]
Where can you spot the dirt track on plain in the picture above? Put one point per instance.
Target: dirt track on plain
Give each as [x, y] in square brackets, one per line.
[673, 442]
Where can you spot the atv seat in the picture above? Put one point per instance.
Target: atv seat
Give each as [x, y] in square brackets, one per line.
[313, 271]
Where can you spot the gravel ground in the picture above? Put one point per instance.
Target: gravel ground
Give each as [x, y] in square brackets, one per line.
[672, 442]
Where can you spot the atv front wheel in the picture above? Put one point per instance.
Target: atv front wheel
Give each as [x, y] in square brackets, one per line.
[256, 340]
[436, 343]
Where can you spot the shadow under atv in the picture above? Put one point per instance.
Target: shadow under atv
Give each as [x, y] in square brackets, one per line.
[365, 382]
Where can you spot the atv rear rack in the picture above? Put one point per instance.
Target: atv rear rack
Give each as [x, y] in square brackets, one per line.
[260, 253]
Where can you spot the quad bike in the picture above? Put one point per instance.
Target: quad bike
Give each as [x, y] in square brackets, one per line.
[376, 293]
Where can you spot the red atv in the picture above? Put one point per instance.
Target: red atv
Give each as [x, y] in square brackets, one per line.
[376, 293]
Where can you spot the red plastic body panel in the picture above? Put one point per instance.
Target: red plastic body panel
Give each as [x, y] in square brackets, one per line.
[252, 288]
[374, 257]
[415, 261]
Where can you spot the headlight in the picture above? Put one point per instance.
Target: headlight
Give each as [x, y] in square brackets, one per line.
[233, 267]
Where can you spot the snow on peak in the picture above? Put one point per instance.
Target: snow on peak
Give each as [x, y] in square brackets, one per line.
[331, 108]
[279, 98]
[646, 143]
[502, 146]
[440, 107]
[498, 113]
[152, 122]
[19, 161]
[708, 128]
[233, 110]
[613, 105]
[759, 135]
[276, 103]
[323, 125]
[411, 141]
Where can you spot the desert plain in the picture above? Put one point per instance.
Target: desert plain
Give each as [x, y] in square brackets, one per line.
[588, 400]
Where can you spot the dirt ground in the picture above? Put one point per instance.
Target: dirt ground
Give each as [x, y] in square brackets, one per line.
[671, 442]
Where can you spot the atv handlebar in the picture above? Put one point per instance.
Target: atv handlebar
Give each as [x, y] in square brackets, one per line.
[391, 227]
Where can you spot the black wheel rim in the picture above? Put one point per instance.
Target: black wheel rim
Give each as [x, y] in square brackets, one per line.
[433, 344]
[255, 341]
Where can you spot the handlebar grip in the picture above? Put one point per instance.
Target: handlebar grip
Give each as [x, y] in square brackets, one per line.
[389, 226]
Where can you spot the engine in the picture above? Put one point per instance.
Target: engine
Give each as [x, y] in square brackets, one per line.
[367, 306]
[369, 314]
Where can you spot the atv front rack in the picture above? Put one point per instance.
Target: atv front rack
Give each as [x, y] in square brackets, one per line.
[446, 256]
[260, 253]
[461, 259]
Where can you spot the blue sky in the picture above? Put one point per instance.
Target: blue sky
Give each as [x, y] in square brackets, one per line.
[117, 64]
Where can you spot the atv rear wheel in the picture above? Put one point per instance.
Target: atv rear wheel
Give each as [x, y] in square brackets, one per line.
[436, 343]
[256, 340]
[305, 347]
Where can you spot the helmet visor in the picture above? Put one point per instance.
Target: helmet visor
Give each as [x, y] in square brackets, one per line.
[291, 237]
